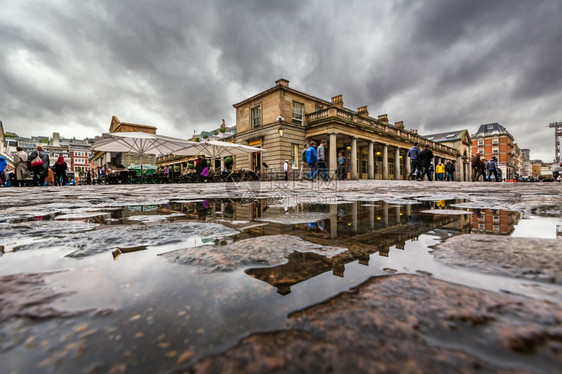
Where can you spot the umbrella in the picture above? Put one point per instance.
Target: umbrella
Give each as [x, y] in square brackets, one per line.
[139, 142]
[216, 149]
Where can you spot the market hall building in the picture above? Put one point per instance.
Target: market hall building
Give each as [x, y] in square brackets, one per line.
[281, 119]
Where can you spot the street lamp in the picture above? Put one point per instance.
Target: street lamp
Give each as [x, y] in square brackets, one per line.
[281, 131]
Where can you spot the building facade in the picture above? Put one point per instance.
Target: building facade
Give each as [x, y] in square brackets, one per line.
[281, 119]
[493, 139]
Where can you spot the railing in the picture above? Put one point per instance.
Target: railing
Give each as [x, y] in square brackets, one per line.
[370, 123]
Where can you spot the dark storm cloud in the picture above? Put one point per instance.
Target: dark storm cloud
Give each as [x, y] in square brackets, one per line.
[178, 65]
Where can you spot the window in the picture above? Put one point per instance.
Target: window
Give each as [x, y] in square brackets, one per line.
[481, 150]
[496, 228]
[298, 111]
[481, 227]
[295, 155]
[256, 116]
[480, 141]
[495, 141]
[318, 108]
[495, 150]
[496, 219]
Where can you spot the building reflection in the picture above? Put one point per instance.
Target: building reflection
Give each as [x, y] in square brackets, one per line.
[494, 221]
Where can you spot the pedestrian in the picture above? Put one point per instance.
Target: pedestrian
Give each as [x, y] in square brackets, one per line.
[483, 166]
[341, 166]
[3, 164]
[414, 154]
[39, 162]
[303, 160]
[322, 169]
[449, 171]
[440, 171]
[60, 168]
[22, 175]
[311, 160]
[425, 163]
[492, 167]
[476, 165]
[286, 169]
[50, 180]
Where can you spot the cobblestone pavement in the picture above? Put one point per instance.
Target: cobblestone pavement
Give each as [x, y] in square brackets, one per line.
[205, 303]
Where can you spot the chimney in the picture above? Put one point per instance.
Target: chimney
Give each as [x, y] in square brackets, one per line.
[56, 139]
[383, 118]
[337, 101]
[399, 125]
[414, 131]
[362, 111]
[282, 82]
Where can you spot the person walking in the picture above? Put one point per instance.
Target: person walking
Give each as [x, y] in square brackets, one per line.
[322, 169]
[476, 164]
[414, 154]
[286, 169]
[21, 169]
[60, 168]
[341, 166]
[425, 163]
[3, 165]
[449, 171]
[440, 171]
[39, 165]
[311, 160]
[492, 166]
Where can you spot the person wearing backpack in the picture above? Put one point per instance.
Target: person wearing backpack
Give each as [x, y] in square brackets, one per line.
[493, 169]
[39, 162]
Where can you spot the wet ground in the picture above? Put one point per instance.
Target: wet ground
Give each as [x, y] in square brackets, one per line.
[291, 277]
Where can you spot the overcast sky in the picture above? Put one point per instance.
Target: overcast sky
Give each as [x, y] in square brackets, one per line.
[68, 66]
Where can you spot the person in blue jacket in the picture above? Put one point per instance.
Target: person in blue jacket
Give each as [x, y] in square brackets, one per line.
[311, 159]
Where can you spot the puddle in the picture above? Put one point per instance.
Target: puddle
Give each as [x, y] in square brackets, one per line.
[167, 312]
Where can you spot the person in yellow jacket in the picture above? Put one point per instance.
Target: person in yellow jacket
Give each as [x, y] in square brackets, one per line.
[440, 171]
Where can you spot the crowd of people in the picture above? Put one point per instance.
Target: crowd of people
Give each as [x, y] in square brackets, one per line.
[33, 169]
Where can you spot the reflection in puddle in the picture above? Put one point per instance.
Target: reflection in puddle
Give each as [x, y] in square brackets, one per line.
[164, 309]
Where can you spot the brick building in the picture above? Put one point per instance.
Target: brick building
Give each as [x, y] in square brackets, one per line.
[493, 139]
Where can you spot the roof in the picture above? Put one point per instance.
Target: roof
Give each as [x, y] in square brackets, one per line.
[446, 136]
[281, 87]
[491, 127]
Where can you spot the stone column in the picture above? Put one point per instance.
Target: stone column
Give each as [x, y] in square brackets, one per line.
[397, 212]
[222, 164]
[385, 162]
[459, 170]
[354, 158]
[371, 161]
[333, 147]
[372, 217]
[354, 216]
[397, 164]
[408, 166]
[333, 220]
[385, 213]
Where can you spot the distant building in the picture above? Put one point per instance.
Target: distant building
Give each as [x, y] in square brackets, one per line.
[493, 139]
[527, 162]
[123, 159]
[459, 140]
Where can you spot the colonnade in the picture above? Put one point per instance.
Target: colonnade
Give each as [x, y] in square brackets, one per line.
[400, 155]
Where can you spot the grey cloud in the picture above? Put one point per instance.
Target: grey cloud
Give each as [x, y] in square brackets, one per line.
[181, 65]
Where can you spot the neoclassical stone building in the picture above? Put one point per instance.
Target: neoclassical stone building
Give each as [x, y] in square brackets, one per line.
[281, 119]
